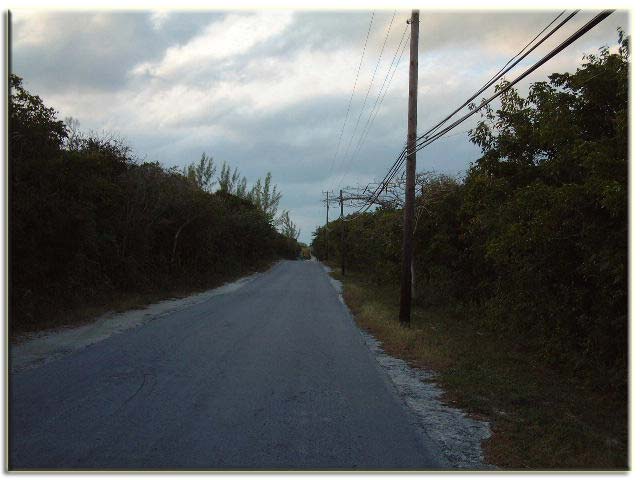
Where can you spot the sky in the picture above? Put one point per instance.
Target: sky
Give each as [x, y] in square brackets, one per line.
[269, 90]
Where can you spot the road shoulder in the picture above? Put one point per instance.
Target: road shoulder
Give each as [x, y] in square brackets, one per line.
[35, 349]
[457, 435]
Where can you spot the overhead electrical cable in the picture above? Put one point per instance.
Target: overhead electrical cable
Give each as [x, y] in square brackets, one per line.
[380, 97]
[428, 140]
[584, 29]
[353, 90]
[508, 67]
[373, 76]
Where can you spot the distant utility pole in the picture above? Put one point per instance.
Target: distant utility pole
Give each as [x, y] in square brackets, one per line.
[342, 225]
[326, 230]
[410, 187]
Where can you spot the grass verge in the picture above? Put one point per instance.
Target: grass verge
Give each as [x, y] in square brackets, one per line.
[541, 419]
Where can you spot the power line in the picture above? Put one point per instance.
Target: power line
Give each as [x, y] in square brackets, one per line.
[506, 68]
[353, 90]
[580, 32]
[379, 98]
[502, 71]
[375, 71]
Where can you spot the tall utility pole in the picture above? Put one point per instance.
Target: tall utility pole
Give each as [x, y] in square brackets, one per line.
[410, 187]
[326, 231]
[342, 233]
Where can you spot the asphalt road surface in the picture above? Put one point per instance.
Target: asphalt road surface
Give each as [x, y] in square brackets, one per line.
[274, 375]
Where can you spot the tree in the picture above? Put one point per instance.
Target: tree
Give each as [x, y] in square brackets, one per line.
[74, 135]
[201, 173]
[241, 189]
[34, 129]
[546, 214]
[287, 227]
[266, 197]
[231, 182]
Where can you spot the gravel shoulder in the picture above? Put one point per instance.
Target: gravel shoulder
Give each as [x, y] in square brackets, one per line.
[458, 436]
[36, 349]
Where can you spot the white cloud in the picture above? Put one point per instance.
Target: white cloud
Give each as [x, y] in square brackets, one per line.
[274, 83]
[234, 35]
[31, 28]
[159, 18]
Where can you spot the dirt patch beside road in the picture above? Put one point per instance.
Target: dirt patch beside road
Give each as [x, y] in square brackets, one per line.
[34, 349]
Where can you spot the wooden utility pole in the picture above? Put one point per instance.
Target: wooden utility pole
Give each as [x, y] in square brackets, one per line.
[410, 187]
[342, 225]
[326, 231]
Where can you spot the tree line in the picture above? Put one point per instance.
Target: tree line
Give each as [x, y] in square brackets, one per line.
[89, 223]
[532, 244]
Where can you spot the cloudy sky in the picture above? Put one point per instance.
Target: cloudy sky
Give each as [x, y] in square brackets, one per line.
[269, 90]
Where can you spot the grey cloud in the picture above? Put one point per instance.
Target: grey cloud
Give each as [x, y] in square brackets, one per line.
[324, 31]
[96, 50]
[503, 30]
[294, 140]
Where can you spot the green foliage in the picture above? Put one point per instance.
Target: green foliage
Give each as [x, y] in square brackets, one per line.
[287, 227]
[266, 197]
[548, 206]
[87, 223]
[34, 132]
[231, 183]
[534, 240]
[201, 173]
[263, 195]
[373, 243]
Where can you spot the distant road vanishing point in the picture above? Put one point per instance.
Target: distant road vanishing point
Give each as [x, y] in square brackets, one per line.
[274, 375]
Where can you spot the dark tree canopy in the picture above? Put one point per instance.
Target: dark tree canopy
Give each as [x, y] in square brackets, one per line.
[89, 224]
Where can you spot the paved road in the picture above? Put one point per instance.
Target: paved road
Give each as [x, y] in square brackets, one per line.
[274, 375]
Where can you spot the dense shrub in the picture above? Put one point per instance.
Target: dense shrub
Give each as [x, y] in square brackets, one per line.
[88, 223]
[534, 240]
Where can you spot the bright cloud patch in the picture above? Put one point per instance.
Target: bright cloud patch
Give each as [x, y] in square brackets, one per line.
[235, 34]
[159, 18]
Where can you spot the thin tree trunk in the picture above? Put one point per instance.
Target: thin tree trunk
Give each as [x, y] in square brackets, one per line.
[175, 238]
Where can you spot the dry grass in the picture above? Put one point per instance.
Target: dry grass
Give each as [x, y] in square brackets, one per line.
[541, 419]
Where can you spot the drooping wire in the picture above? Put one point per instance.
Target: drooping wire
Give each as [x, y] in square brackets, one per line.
[353, 90]
[397, 164]
[507, 67]
[375, 71]
[580, 32]
[380, 97]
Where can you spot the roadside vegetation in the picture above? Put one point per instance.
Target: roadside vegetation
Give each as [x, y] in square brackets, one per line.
[521, 303]
[92, 229]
